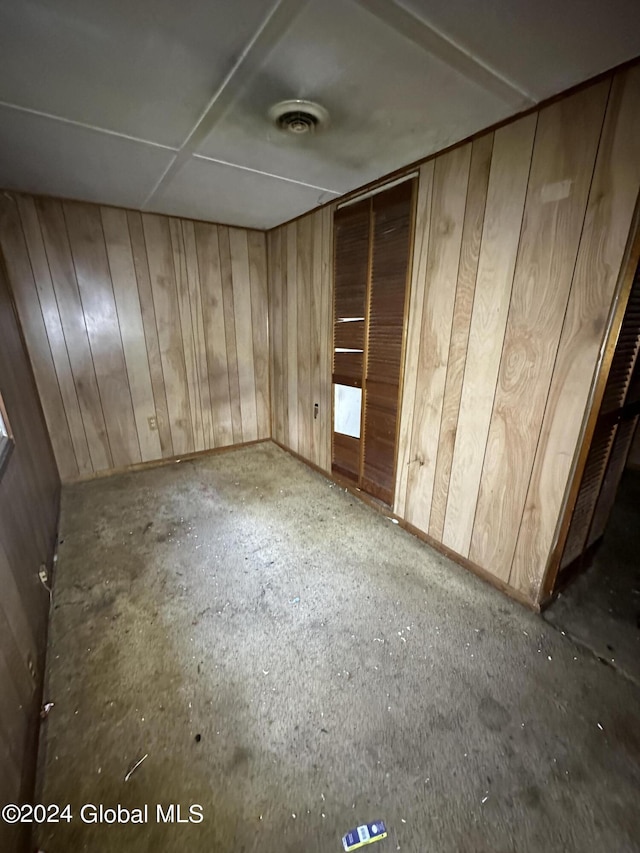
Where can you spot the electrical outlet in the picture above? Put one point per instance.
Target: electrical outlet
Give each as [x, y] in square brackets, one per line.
[153, 422]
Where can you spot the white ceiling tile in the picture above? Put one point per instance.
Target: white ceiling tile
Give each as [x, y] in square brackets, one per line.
[202, 189]
[42, 155]
[390, 101]
[401, 79]
[544, 46]
[146, 68]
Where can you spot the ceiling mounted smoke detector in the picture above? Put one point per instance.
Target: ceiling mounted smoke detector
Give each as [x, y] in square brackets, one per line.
[299, 117]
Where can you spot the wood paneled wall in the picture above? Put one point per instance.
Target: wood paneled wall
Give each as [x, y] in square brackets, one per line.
[519, 241]
[148, 335]
[300, 301]
[519, 247]
[29, 495]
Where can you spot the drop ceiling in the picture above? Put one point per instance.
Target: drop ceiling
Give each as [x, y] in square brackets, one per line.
[162, 105]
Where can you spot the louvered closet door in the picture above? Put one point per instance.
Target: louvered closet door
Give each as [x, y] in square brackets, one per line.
[617, 420]
[391, 232]
[372, 249]
[351, 235]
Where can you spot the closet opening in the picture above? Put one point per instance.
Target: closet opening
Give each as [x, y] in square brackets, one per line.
[372, 242]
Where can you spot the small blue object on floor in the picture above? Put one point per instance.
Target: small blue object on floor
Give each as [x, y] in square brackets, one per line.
[365, 834]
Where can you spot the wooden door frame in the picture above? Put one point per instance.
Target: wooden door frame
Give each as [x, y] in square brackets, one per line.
[630, 262]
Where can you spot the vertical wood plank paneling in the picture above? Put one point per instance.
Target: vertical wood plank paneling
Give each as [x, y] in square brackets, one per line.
[450, 181]
[284, 385]
[132, 317]
[275, 333]
[497, 232]
[260, 330]
[465, 290]
[301, 334]
[244, 336]
[317, 332]
[152, 343]
[304, 254]
[165, 300]
[125, 289]
[54, 232]
[326, 336]
[197, 322]
[29, 498]
[493, 380]
[416, 309]
[612, 198]
[19, 622]
[561, 171]
[214, 327]
[65, 426]
[86, 237]
[292, 339]
[508, 178]
[186, 327]
[230, 331]
[73, 438]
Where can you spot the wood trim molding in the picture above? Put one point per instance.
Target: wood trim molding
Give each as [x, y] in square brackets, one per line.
[161, 463]
[385, 510]
[405, 327]
[619, 305]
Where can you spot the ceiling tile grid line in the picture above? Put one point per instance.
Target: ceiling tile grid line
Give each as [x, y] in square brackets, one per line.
[431, 39]
[277, 21]
[86, 126]
[168, 107]
[266, 174]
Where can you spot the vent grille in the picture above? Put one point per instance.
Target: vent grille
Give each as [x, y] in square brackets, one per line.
[298, 117]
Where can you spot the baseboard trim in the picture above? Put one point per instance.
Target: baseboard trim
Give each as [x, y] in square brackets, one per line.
[383, 509]
[159, 463]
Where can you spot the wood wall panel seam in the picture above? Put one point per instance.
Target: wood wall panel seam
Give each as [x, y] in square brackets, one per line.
[506, 194]
[610, 211]
[562, 165]
[176, 241]
[450, 186]
[150, 330]
[244, 340]
[413, 460]
[65, 286]
[461, 322]
[38, 296]
[29, 495]
[144, 329]
[137, 435]
[504, 338]
[536, 590]
[165, 299]
[230, 333]
[284, 389]
[414, 319]
[197, 321]
[129, 312]
[258, 275]
[33, 320]
[293, 437]
[107, 437]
